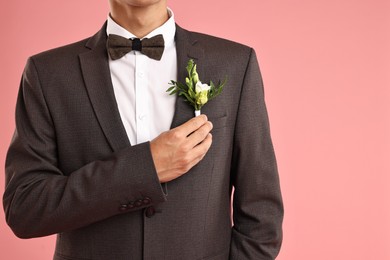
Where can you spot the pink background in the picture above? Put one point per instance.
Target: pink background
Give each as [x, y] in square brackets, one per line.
[326, 67]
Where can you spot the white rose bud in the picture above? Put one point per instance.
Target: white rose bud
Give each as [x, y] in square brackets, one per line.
[201, 87]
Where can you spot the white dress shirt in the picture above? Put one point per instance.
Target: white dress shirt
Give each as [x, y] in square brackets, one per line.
[140, 85]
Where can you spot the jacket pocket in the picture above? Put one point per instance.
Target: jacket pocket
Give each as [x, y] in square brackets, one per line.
[218, 122]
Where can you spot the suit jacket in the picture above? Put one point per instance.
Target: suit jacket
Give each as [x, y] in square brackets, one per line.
[71, 171]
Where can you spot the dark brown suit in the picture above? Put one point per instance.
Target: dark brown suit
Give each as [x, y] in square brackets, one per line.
[71, 169]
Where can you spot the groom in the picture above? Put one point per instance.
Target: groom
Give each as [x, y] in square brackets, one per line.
[103, 157]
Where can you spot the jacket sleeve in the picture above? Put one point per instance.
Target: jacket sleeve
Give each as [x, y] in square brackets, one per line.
[41, 200]
[257, 201]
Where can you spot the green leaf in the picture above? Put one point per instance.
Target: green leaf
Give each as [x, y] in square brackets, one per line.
[189, 98]
[171, 88]
[191, 92]
[174, 92]
[182, 86]
[216, 90]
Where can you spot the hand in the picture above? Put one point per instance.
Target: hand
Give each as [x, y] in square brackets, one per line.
[176, 151]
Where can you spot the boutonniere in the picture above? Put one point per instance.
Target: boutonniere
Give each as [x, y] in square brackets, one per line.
[194, 91]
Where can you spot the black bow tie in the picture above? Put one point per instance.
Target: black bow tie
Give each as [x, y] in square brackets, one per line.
[119, 46]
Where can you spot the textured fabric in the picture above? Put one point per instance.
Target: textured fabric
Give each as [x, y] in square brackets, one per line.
[71, 170]
[119, 46]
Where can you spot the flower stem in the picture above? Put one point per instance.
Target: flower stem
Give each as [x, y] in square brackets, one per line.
[197, 112]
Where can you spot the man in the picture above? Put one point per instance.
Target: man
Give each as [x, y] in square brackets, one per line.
[106, 159]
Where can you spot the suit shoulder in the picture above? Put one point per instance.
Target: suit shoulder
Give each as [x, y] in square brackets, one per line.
[217, 48]
[62, 52]
[218, 43]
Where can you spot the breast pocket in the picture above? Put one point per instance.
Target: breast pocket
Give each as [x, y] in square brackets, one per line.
[218, 122]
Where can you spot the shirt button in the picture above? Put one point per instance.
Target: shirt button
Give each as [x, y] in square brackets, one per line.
[142, 117]
[140, 74]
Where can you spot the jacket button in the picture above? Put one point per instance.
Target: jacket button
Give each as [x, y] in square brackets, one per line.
[123, 207]
[149, 212]
[146, 201]
[130, 205]
[138, 203]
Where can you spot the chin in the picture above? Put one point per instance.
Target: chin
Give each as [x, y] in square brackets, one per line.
[141, 3]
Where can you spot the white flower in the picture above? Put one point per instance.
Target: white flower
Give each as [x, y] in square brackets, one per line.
[202, 91]
[201, 87]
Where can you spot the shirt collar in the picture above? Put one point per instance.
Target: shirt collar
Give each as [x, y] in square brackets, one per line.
[168, 29]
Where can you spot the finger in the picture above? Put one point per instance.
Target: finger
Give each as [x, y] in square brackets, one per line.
[199, 135]
[202, 148]
[198, 154]
[192, 125]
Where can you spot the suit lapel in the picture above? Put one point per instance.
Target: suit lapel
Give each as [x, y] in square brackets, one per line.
[186, 48]
[96, 73]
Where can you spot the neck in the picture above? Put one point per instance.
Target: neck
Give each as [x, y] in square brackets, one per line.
[139, 20]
